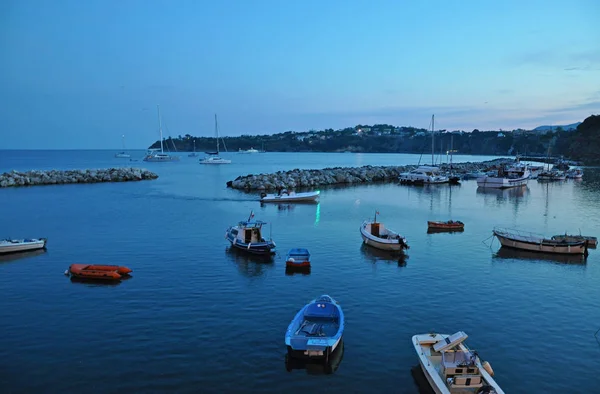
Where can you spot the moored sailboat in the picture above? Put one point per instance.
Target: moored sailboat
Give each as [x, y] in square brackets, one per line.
[213, 157]
[155, 156]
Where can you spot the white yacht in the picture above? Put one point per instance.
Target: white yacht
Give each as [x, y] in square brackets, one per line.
[155, 156]
[451, 367]
[123, 154]
[251, 150]
[425, 174]
[213, 157]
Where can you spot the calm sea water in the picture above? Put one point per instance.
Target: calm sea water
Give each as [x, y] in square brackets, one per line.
[196, 317]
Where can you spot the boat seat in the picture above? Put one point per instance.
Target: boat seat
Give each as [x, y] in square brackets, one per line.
[450, 342]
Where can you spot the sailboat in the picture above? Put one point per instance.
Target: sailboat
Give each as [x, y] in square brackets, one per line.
[425, 174]
[154, 155]
[123, 154]
[213, 157]
[194, 153]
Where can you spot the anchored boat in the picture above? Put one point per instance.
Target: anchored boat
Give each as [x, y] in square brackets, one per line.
[298, 258]
[375, 234]
[535, 243]
[316, 330]
[98, 271]
[247, 237]
[22, 245]
[450, 225]
[287, 196]
[450, 367]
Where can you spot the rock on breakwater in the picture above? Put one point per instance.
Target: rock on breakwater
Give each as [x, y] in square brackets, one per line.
[59, 177]
[327, 176]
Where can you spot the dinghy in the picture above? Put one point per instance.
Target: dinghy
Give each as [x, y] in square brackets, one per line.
[297, 258]
[247, 237]
[376, 235]
[98, 271]
[450, 225]
[316, 330]
[287, 196]
[451, 367]
[21, 245]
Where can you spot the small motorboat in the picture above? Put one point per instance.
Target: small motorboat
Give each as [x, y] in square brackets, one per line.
[451, 367]
[450, 225]
[297, 258]
[289, 196]
[316, 330]
[592, 242]
[22, 245]
[98, 271]
[247, 237]
[376, 235]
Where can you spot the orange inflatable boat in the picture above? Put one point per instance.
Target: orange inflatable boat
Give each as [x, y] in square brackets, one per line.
[102, 272]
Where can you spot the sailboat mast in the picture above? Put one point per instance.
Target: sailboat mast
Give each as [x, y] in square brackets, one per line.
[123, 138]
[160, 128]
[217, 133]
[432, 136]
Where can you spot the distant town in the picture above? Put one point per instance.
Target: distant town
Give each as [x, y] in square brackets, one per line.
[579, 141]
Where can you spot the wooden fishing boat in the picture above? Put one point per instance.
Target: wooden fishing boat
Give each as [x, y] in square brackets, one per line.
[591, 241]
[21, 245]
[535, 243]
[316, 330]
[247, 237]
[450, 225]
[98, 271]
[297, 258]
[451, 367]
[375, 234]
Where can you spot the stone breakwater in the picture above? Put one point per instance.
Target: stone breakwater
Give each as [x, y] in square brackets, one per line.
[58, 177]
[341, 175]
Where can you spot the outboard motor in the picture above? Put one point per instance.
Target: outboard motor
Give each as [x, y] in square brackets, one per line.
[263, 195]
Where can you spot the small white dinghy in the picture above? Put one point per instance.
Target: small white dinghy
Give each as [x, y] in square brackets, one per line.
[287, 196]
[450, 367]
[376, 235]
[21, 245]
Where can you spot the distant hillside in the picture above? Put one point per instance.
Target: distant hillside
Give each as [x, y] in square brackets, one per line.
[567, 127]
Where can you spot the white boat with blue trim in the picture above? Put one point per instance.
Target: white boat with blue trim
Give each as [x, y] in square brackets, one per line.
[316, 330]
[22, 245]
[247, 237]
[290, 196]
[451, 367]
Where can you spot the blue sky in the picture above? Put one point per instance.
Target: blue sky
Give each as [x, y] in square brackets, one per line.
[79, 74]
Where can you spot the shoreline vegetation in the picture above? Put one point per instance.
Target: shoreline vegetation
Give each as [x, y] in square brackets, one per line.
[61, 177]
[581, 144]
[299, 179]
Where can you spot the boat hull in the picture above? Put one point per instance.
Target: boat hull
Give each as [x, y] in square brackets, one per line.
[296, 197]
[381, 243]
[541, 245]
[445, 226]
[8, 247]
[501, 183]
[161, 159]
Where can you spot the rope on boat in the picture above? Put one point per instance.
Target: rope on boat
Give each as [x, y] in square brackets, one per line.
[491, 243]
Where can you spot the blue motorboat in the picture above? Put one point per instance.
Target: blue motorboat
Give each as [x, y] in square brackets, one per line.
[298, 258]
[316, 330]
[247, 237]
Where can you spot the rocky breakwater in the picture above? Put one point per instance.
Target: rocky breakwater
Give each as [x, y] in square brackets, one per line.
[58, 177]
[309, 178]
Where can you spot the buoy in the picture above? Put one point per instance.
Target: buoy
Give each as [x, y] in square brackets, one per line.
[486, 365]
[67, 272]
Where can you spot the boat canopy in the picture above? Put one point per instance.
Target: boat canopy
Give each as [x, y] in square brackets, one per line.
[255, 224]
[299, 252]
[322, 309]
[450, 342]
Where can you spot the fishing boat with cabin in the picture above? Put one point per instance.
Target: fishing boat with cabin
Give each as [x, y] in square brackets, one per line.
[375, 234]
[451, 367]
[247, 237]
[316, 330]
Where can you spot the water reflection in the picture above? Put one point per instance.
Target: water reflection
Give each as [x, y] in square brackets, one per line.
[291, 271]
[99, 283]
[516, 254]
[374, 255]
[421, 380]
[248, 264]
[317, 367]
[21, 255]
[503, 195]
[444, 230]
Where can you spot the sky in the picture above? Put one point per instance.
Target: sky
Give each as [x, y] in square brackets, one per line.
[80, 74]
